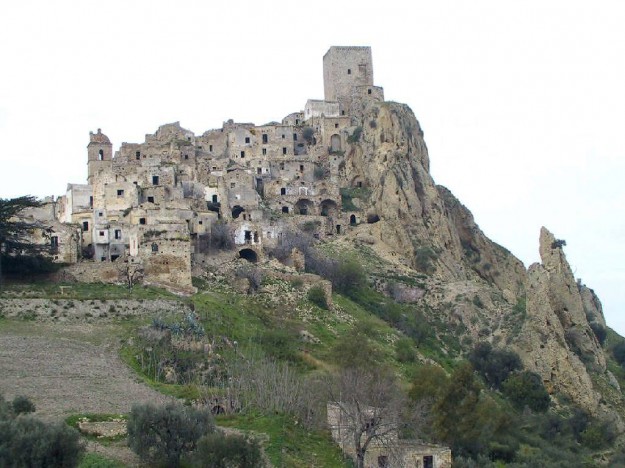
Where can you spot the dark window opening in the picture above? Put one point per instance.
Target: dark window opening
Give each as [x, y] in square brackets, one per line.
[154, 247]
[200, 222]
[383, 462]
[295, 137]
[54, 244]
[114, 257]
[141, 220]
[283, 136]
[186, 156]
[301, 168]
[101, 233]
[120, 193]
[155, 180]
[342, 112]
[369, 91]
[247, 237]
[281, 166]
[296, 121]
[264, 151]
[373, 218]
[236, 211]
[90, 202]
[285, 209]
[284, 150]
[336, 125]
[255, 237]
[100, 214]
[259, 170]
[214, 198]
[103, 259]
[101, 155]
[283, 191]
[303, 211]
[428, 461]
[265, 138]
[338, 228]
[138, 155]
[247, 139]
[85, 226]
[210, 147]
[188, 138]
[349, 71]
[242, 154]
[150, 199]
[118, 233]
[352, 220]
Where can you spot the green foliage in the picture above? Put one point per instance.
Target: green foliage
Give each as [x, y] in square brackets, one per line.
[95, 460]
[492, 364]
[598, 435]
[404, 350]
[317, 296]
[27, 441]
[356, 350]
[424, 259]
[163, 434]
[280, 344]
[348, 194]
[618, 351]
[218, 450]
[23, 405]
[526, 389]
[355, 136]
[558, 244]
[600, 332]
[428, 383]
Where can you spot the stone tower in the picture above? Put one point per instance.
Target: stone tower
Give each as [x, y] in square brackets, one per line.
[345, 68]
[99, 154]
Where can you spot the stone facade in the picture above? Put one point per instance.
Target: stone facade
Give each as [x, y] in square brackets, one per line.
[158, 200]
[393, 453]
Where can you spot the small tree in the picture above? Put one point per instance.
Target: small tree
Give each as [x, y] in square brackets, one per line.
[164, 433]
[368, 407]
[526, 389]
[22, 405]
[15, 237]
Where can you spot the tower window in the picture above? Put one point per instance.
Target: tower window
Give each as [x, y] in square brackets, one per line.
[120, 193]
[247, 139]
[283, 191]
[101, 155]
[138, 155]
[85, 226]
[154, 247]
[155, 180]
[210, 147]
[284, 150]
[150, 199]
[265, 138]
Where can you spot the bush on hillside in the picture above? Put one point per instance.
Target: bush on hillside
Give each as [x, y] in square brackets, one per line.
[218, 450]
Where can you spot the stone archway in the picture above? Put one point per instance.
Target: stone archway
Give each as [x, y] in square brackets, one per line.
[328, 208]
[248, 254]
[304, 206]
[335, 143]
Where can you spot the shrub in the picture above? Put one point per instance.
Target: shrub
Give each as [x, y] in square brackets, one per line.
[162, 434]
[223, 451]
[494, 365]
[317, 296]
[526, 389]
[27, 441]
[618, 351]
[404, 350]
[355, 136]
[424, 258]
[600, 332]
[309, 135]
[220, 237]
[279, 344]
[22, 405]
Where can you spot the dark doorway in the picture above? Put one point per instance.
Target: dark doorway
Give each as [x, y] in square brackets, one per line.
[249, 255]
[352, 220]
[428, 461]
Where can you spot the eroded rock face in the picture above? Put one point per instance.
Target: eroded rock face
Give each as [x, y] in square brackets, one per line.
[556, 340]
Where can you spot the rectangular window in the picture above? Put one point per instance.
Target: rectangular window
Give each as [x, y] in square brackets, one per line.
[264, 151]
[284, 150]
[155, 180]
[242, 154]
[90, 202]
[295, 137]
[210, 147]
[141, 220]
[85, 226]
[265, 138]
[120, 193]
[281, 166]
[118, 233]
[232, 185]
[54, 242]
[349, 71]
[247, 139]
[283, 136]
[101, 233]
[214, 168]
[100, 214]
[138, 155]
[336, 125]
[150, 199]
[301, 168]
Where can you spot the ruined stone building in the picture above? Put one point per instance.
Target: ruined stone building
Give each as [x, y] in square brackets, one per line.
[157, 202]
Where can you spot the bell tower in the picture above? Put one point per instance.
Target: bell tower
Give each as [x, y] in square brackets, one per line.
[99, 155]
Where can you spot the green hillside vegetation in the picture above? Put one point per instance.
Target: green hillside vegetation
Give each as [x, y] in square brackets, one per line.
[263, 360]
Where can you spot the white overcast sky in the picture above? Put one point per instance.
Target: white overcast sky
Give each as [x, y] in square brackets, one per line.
[522, 102]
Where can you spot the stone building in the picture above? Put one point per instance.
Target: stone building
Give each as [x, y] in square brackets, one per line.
[157, 201]
[393, 452]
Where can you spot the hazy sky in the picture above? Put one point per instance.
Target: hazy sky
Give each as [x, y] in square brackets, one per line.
[522, 102]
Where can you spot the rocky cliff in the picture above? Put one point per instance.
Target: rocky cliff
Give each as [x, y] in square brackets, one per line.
[436, 235]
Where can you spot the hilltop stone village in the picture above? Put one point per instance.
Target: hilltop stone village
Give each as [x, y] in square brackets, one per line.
[158, 204]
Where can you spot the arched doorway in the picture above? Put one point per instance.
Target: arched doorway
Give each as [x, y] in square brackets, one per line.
[329, 208]
[249, 255]
[304, 207]
[335, 143]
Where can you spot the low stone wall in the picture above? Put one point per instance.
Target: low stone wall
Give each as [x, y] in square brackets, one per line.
[73, 310]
